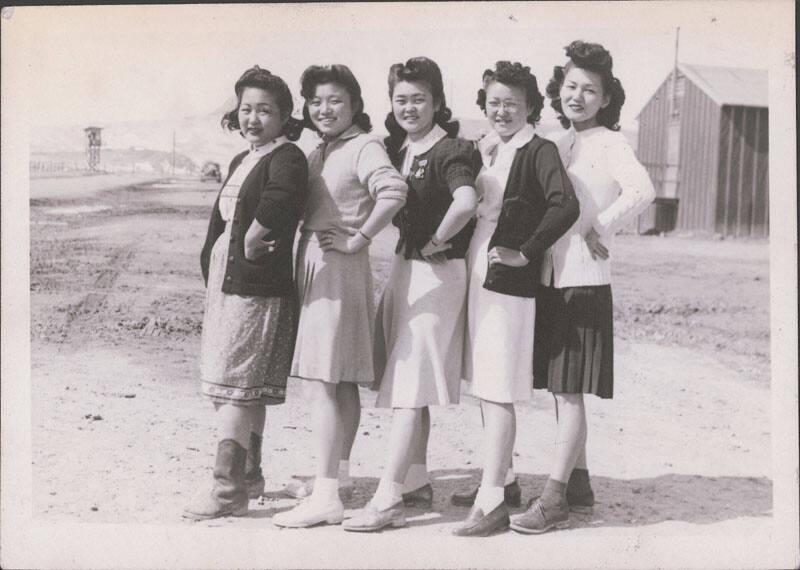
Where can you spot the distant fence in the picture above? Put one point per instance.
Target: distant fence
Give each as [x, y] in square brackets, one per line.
[53, 167]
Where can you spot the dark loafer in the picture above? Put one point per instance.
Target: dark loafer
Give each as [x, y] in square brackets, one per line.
[537, 520]
[421, 498]
[478, 524]
[512, 495]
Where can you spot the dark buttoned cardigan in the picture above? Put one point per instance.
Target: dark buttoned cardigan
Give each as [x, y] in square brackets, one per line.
[274, 193]
[539, 206]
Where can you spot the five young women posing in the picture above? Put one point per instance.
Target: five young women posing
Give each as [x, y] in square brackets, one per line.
[481, 234]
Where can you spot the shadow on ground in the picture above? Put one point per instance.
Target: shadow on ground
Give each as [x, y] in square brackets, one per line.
[694, 499]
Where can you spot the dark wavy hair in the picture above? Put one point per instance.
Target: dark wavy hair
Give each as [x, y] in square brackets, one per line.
[515, 75]
[274, 85]
[597, 59]
[426, 71]
[315, 75]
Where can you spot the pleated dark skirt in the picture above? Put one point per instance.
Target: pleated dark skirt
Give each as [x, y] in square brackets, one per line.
[573, 347]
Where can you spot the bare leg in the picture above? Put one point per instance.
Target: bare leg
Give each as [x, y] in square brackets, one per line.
[420, 452]
[350, 406]
[511, 457]
[258, 417]
[498, 441]
[233, 422]
[403, 442]
[571, 435]
[326, 418]
[580, 463]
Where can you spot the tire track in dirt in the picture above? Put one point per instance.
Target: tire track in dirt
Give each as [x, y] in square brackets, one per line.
[95, 301]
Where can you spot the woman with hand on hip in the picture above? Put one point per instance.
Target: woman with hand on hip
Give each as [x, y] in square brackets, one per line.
[250, 308]
[354, 192]
[527, 203]
[573, 342]
[420, 326]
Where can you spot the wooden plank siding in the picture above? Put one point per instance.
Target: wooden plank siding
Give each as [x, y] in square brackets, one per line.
[699, 154]
[743, 188]
[760, 183]
[651, 147]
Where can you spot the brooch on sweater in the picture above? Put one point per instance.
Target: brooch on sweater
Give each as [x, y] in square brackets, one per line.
[420, 173]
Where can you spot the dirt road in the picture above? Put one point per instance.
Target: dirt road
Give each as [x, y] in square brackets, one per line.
[121, 435]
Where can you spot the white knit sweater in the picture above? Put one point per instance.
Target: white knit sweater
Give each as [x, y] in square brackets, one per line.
[612, 188]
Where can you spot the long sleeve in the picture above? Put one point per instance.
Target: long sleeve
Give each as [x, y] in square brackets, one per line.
[375, 171]
[636, 189]
[560, 202]
[285, 190]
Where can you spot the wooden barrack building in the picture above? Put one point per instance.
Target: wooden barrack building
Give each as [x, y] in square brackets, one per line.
[704, 139]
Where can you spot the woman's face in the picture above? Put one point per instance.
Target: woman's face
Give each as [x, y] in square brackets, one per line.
[330, 109]
[413, 108]
[260, 119]
[506, 109]
[582, 97]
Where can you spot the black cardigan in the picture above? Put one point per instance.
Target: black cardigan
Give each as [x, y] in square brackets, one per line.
[275, 193]
[539, 206]
[435, 174]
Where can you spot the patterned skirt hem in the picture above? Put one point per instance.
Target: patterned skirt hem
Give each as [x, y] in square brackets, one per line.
[264, 395]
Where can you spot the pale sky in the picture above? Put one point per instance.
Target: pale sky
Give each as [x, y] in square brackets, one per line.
[119, 63]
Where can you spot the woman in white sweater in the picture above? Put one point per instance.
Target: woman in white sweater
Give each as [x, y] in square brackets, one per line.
[573, 339]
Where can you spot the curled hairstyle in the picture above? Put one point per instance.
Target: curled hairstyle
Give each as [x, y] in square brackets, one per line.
[514, 75]
[597, 59]
[316, 75]
[425, 71]
[275, 86]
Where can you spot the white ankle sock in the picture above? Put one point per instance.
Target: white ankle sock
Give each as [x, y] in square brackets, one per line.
[344, 473]
[416, 477]
[488, 498]
[387, 495]
[325, 490]
[510, 476]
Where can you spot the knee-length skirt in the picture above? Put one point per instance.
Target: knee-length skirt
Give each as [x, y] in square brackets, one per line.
[498, 356]
[419, 335]
[247, 341]
[574, 341]
[337, 311]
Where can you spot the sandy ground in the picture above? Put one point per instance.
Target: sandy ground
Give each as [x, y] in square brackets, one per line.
[121, 435]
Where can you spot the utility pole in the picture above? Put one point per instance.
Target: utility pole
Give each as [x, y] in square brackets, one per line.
[173, 152]
[674, 94]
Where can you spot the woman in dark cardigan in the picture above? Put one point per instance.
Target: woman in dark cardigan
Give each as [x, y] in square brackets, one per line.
[419, 332]
[527, 203]
[249, 323]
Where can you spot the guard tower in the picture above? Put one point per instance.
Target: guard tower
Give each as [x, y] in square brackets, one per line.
[93, 143]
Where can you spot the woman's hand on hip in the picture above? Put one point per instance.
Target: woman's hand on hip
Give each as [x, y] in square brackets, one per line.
[338, 240]
[253, 249]
[254, 244]
[596, 248]
[507, 256]
[434, 253]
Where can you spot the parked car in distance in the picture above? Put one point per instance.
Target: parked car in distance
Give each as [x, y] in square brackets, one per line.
[211, 171]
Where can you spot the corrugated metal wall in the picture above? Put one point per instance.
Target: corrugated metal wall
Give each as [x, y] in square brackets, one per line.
[742, 204]
[699, 153]
[652, 146]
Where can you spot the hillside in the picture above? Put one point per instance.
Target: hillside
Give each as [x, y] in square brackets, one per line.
[198, 139]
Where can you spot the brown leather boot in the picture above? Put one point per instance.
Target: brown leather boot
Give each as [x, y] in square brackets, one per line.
[228, 496]
[253, 476]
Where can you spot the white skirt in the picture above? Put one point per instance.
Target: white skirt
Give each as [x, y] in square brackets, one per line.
[337, 310]
[419, 334]
[498, 356]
